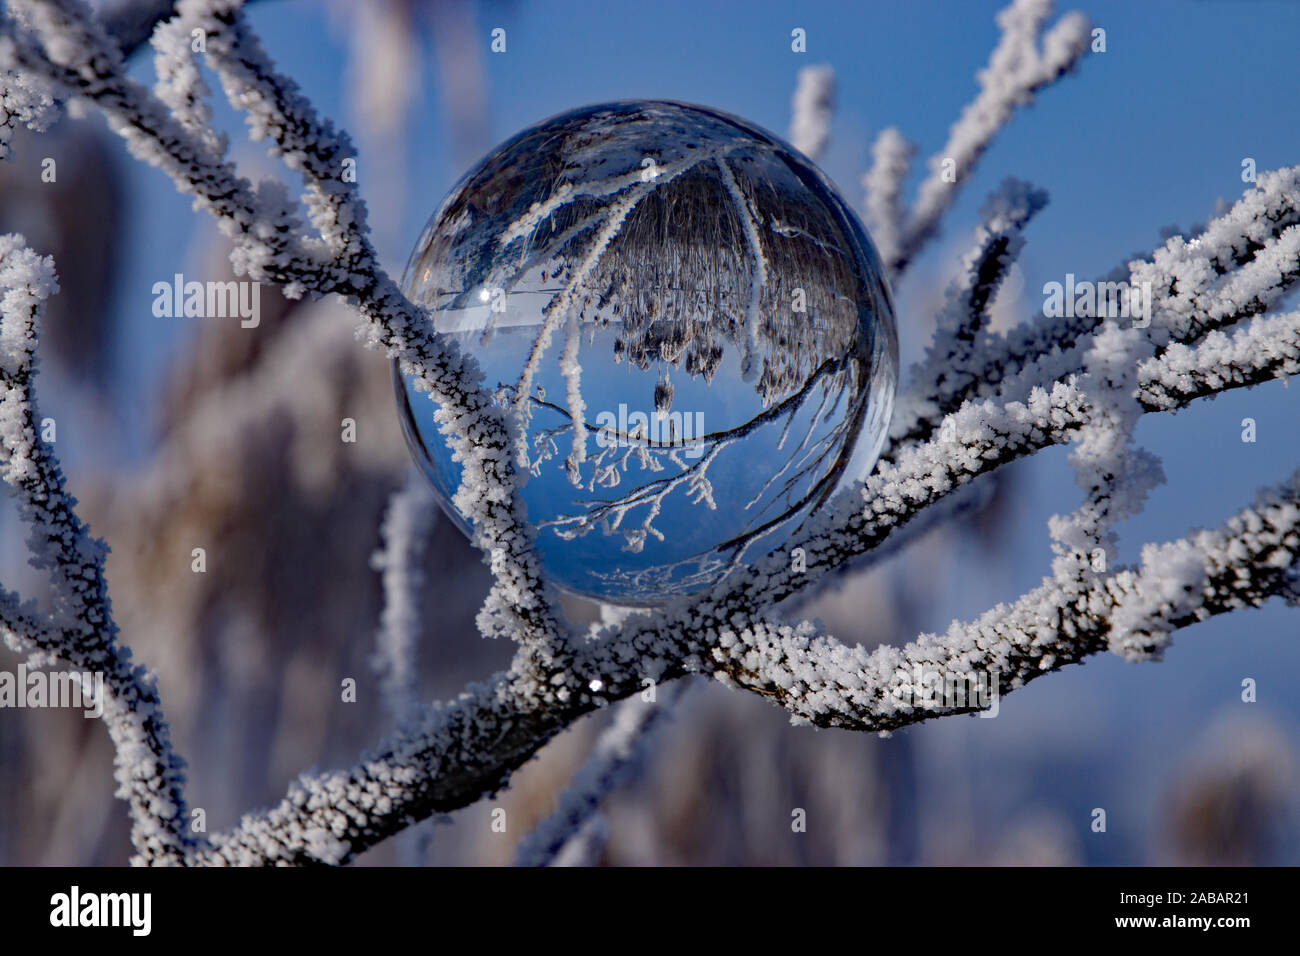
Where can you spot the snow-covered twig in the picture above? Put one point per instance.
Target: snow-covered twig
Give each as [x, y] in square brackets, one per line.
[506, 720]
[24, 101]
[821, 681]
[406, 527]
[1016, 71]
[1183, 275]
[886, 210]
[77, 57]
[408, 522]
[1132, 612]
[810, 110]
[80, 631]
[945, 369]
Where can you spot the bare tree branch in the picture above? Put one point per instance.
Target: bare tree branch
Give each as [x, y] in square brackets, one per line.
[80, 631]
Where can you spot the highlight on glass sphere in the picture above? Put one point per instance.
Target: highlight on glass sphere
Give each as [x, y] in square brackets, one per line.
[689, 328]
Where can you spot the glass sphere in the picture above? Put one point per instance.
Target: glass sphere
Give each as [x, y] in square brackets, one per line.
[689, 328]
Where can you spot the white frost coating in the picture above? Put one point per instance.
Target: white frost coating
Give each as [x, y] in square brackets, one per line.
[941, 379]
[1008, 366]
[1114, 475]
[26, 99]
[817, 678]
[405, 531]
[757, 267]
[558, 307]
[80, 630]
[270, 245]
[979, 400]
[180, 85]
[566, 193]
[810, 110]
[572, 371]
[1131, 611]
[1017, 70]
[1269, 347]
[891, 160]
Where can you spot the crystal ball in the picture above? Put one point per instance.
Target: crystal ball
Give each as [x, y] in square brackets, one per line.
[688, 328]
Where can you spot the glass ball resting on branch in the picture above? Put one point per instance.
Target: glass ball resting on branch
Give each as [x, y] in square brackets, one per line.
[689, 329]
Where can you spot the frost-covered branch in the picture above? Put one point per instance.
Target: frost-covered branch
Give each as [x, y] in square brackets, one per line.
[1268, 348]
[886, 210]
[25, 99]
[1131, 612]
[944, 369]
[1017, 70]
[1254, 236]
[810, 110]
[407, 525]
[73, 53]
[408, 522]
[510, 718]
[821, 681]
[80, 630]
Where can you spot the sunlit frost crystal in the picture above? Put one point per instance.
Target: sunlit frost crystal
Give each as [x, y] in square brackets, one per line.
[690, 329]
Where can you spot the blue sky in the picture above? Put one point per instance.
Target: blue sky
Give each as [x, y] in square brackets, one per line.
[1148, 134]
[1151, 133]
